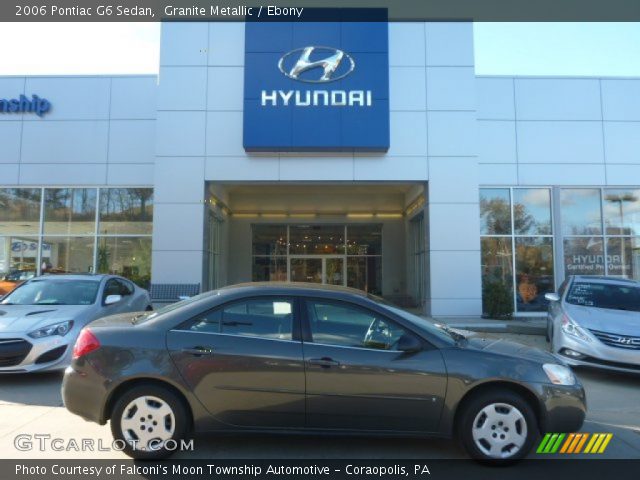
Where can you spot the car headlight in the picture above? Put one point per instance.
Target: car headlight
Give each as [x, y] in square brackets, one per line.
[60, 329]
[559, 374]
[572, 328]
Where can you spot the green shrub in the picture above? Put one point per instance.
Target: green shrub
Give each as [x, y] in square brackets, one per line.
[497, 300]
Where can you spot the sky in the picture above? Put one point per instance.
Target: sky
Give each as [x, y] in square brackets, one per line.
[564, 49]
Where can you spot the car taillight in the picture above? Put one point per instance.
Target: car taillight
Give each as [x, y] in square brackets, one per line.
[86, 343]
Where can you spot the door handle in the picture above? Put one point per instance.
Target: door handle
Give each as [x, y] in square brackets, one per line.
[198, 351]
[324, 362]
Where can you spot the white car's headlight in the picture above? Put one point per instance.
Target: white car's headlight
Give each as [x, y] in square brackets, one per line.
[60, 329]
[572, 328]
[559, 374]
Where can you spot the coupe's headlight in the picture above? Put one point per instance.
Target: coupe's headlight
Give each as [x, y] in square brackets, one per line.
[559, 374]
[60, 329]
[572, 328]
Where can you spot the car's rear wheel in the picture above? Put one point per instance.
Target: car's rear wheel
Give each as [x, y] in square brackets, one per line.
[149, 420]
[497, 426]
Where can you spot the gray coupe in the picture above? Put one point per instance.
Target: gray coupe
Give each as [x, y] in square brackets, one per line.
[299, 358]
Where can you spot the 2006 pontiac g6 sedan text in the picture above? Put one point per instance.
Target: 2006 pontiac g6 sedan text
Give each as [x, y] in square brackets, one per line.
[303, 358]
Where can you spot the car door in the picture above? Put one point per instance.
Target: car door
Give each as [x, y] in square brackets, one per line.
[243, 360]
[357, 380]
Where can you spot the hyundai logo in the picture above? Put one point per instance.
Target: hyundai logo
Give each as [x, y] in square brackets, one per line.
[316, 64]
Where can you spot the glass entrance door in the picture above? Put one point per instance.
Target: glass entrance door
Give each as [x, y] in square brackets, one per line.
[326, 270]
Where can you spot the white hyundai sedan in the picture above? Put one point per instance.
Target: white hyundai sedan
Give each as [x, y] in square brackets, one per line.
[41, 319]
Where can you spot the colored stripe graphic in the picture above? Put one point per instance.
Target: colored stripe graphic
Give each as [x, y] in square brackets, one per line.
[573, 443]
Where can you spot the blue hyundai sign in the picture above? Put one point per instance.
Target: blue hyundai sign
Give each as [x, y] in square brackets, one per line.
[316, 86]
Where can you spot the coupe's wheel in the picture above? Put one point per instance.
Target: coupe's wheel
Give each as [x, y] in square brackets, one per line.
[497, 426]
[150, 420]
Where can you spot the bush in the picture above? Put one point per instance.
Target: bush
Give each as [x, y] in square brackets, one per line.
[497, 300]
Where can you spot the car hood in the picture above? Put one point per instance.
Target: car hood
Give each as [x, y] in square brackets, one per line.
[25, 318]
[512, 349]
[604, 319]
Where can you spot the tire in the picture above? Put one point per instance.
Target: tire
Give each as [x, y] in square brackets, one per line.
[547, 332]
[161, 409]
[497, 427]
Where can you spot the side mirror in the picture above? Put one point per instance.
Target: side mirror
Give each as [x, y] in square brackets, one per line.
[111, 299]
[409, 344]
[552, 297]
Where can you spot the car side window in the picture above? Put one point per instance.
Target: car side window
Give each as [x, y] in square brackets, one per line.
[346, 325]
[112, 288]
[270, 318]
[125, 288]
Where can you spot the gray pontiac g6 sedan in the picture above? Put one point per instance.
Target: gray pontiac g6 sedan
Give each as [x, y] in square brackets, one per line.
[299, 358]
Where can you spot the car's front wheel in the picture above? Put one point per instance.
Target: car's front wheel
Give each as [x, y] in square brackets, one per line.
[149, 420]
[497, 426]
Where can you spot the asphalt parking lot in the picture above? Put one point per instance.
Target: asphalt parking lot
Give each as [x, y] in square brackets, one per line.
[32, 405]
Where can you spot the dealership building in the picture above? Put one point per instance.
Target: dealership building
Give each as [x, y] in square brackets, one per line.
[368, 155]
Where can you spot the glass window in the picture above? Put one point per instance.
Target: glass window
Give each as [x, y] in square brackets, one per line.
[67, 254]
[126, 211]
[364, 240]
[316, 239]
[129, 257]
[495, 211]
[269, 269]
[269, 239]
[365, 273]
[532, 211]
[350, 326]
[623, 257]
[605, 295]
[18, 257]
[54, 292]
[621, 211]
[70, 211]
[19, 211]
[208, 322]
[580, 211]
[270, 318]
[534, 272]
[583, 256]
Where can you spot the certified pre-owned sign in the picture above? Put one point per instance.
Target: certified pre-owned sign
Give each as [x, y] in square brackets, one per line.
[316, 87]
[317, 65]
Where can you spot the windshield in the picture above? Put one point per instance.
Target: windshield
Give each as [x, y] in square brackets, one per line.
[420, 322]
[604, 295]
[54, 292]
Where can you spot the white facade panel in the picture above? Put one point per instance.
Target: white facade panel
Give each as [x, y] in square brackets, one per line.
[621, 99]
[179, 180]
[10, 134]
[497, 141]
[452, 134]
[312, 168]
[449, 43]
[124, 174]
[557, 99]
[226, 44]
[561, 174]
[182, 88]
[560, 142]
[407, 44]
[132, 141]
[9, 174]
[498, 174]
[451, 88]
[224, 133]
[12, 87]
[134, 97]
[184, 43]
[178, 226]
[407, 88]
[225, 88]
[64, 175]
[448, 184]
[623, 175]
[180, 133]
[622, 141]
[495, 98]
[467, 221]
[243, 168]
[407, 133]
[448, 267]
[371, 168]
[65, 142]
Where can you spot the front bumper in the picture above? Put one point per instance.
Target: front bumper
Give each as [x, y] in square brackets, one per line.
[20, 353]
[564, 407]
[595, 354]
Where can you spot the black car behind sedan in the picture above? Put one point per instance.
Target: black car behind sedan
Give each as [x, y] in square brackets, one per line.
[304, 358]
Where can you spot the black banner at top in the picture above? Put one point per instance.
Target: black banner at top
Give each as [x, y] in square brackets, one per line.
[306, 10]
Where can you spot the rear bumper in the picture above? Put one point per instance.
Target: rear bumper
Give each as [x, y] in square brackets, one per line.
[82, 397]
